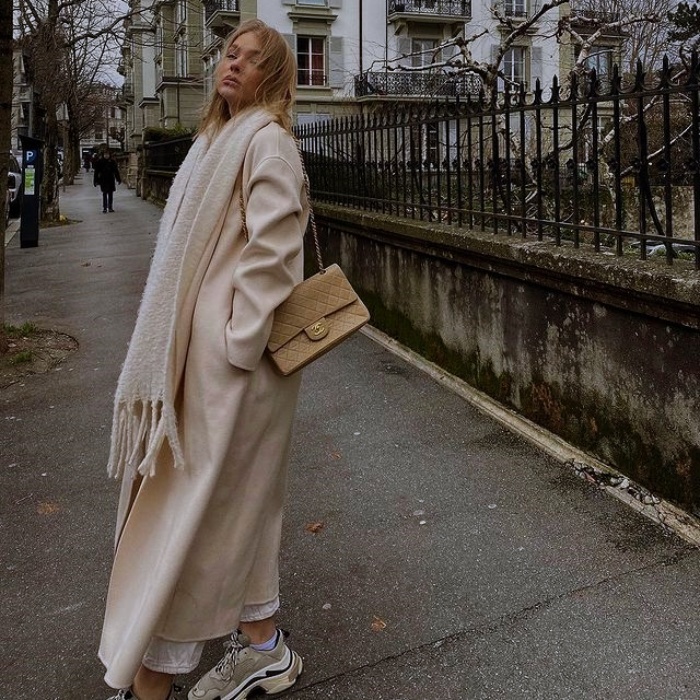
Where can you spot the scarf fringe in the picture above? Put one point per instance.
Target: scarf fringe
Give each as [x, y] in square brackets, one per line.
[139, 430]
[144, 412]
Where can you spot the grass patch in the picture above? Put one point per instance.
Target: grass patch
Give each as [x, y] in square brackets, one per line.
[32, 350]
[20, 358]
[23, 331]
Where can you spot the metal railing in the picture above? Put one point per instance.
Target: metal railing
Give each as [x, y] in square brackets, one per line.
[448, 8]
[424, 84]
[166, 156]
[213, 6]
[611, 166]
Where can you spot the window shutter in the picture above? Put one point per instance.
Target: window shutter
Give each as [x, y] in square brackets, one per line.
[336, 65]
[404, 48]
[535, 66]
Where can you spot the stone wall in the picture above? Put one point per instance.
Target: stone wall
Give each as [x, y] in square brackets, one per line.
[602, 351]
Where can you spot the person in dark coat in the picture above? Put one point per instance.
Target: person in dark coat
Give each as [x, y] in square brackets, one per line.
[106, 176]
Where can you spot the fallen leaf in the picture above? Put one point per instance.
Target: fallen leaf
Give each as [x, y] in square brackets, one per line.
[378, 624]
[314, 528]
[47, 508]
[335, 455]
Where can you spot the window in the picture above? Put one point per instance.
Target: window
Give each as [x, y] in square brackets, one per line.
[423, 52]
[312, 2]
[515, 8]
[159, 39]
[311, 60]
[181, 11]
[208, 75]
[601, 61]
[181, 57]
[207, 34]
[514, 65]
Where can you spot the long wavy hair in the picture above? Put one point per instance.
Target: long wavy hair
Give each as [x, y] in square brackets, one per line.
[277, 89]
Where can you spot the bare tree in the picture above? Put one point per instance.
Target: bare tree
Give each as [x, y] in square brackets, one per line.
[645, 40]
[66, 43]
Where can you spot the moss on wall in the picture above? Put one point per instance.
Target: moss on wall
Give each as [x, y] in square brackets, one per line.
[581, 417]
[590, 422]
[472, 369]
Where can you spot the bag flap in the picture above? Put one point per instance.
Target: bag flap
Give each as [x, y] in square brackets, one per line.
[316, 297]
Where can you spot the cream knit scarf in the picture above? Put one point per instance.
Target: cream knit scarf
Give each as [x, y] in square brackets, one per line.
[144, 405]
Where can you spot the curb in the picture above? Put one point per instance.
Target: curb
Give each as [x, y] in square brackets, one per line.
[11, 230]
[669, 516]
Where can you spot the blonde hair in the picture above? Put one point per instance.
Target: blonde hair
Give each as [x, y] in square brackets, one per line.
[277, 89]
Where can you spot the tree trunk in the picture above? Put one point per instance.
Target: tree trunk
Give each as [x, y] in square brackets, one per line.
[50, 212]
[72, 150]
[6, 75]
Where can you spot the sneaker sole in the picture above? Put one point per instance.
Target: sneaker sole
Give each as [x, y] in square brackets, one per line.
[285, 677]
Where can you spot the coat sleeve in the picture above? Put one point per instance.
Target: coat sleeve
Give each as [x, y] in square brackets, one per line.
[265, 274]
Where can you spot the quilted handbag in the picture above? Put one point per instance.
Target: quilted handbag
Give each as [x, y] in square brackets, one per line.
[320, 313]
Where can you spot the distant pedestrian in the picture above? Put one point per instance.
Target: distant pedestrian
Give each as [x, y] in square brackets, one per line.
[87, 161]
[106, 176]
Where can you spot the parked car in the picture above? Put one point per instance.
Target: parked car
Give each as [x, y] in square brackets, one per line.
[14, 187]
[59, 163]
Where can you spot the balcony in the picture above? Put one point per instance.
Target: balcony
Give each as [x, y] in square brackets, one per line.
[587, 21]
[221, 15]
[125, 95]
[427, 85]
[429, 10]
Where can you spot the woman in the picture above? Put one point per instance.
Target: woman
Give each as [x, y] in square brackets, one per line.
[106, 176]
[202, 421]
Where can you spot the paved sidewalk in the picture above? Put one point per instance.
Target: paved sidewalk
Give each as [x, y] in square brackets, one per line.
[428, 552]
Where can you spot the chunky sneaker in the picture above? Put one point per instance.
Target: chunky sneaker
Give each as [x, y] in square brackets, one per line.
[243, 668]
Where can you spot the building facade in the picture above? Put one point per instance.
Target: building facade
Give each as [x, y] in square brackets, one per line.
[352, 55]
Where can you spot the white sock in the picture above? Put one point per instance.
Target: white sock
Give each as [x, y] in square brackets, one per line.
[269, 645]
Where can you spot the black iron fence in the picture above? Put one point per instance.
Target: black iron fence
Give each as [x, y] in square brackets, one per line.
[608, 163]
[450, 8]
[166, 156]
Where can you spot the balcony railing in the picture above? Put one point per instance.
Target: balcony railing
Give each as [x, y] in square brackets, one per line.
[217, 11]
[588, 21]
[427, 84]
[600, 16]
[126, 95]
[443, 8]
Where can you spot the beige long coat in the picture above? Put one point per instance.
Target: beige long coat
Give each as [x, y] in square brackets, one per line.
[196, 545]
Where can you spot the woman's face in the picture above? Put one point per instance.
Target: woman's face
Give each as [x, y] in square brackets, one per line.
[238, 74]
